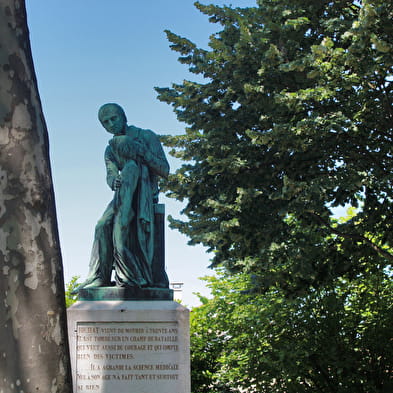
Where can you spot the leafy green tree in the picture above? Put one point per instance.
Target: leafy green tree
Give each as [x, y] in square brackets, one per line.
[70, 297]
[293, 118]
[336, 339]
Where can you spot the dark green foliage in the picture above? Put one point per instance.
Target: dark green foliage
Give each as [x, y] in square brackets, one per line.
[293, 119]
[334, 340]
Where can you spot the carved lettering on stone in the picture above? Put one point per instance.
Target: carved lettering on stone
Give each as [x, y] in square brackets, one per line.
[115, 353]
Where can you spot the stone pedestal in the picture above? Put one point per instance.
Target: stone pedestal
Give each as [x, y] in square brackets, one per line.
[129, 346]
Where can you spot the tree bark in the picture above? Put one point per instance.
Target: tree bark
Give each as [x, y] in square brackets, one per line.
[33, 337]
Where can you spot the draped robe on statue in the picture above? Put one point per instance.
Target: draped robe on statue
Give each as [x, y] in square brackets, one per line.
[124, 236]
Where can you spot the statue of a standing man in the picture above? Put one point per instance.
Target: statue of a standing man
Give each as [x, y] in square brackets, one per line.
[124, 236]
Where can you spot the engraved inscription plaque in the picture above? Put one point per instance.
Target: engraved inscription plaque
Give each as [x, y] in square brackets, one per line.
[129, 346]
[141, 356]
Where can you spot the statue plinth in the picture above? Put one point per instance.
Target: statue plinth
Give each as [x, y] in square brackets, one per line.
[125, 293]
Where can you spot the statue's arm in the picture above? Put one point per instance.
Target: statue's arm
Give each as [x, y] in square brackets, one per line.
[112, 171]
[155, 157]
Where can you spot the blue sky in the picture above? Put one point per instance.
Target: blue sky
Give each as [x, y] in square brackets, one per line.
[90, 52]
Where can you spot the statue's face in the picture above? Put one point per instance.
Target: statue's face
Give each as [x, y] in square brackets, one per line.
[113, 121]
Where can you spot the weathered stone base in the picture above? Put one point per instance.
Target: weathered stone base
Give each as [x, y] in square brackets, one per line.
[129, 346]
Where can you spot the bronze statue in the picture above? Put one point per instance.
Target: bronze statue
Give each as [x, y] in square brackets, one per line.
[124, 235]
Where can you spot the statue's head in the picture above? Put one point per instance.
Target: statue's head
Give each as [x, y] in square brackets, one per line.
[113, 118]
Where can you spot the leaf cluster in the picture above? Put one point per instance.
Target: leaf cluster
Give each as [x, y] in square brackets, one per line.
[71, 297]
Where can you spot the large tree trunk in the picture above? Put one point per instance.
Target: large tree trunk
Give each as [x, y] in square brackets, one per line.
[33, 337]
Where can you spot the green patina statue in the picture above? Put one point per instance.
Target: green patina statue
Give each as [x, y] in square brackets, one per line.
[124, 236]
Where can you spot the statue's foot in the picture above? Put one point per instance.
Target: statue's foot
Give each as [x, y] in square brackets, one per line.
[98, 282]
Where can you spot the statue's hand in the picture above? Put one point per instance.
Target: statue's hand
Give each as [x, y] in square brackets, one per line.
[117, 183]
[145, 225]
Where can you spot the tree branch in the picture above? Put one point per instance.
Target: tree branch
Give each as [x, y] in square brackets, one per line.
[353, 236]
